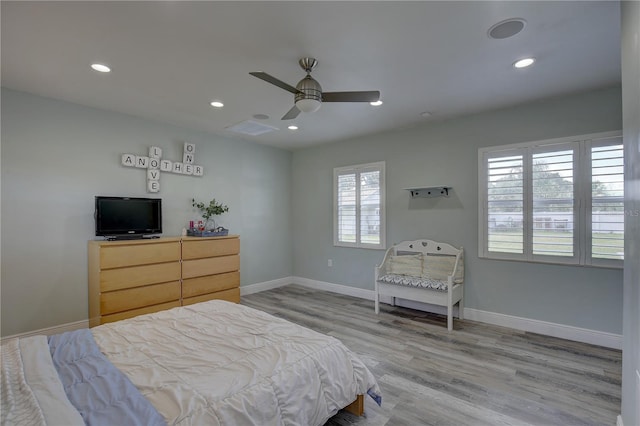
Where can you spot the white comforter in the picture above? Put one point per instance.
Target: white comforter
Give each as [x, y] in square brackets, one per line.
[31, 390]
[218, 363]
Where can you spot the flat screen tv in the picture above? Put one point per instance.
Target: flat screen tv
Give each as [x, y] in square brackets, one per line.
[126, 217]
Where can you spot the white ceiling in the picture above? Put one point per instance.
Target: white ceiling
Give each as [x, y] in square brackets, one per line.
[170, 59]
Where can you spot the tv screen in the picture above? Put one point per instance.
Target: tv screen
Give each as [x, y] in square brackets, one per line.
[121, 216]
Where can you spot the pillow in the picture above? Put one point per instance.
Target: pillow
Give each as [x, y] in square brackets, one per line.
[440, 267]
[406, 265]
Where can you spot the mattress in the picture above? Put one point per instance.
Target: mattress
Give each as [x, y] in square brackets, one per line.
[219, 363]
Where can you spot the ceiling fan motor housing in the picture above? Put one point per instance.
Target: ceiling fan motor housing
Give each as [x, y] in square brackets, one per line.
[309, 95]
[309, 88]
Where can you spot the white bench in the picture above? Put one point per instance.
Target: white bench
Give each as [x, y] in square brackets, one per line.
[424, 271]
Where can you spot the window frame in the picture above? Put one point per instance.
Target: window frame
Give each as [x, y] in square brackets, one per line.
[582, 201]
[357, 170]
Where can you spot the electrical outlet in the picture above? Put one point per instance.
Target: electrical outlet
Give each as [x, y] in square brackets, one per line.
[330, 263]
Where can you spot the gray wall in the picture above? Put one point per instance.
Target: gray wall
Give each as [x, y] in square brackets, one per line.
[446, 153]
[57, 156]
[631, 124]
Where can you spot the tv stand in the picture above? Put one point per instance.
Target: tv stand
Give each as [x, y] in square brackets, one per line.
[125, 237]
[131, 237]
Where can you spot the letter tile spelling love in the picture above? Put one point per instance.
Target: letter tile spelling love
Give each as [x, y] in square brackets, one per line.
[154, 164]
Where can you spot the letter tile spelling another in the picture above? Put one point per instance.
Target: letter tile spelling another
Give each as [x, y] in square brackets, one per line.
[155, 152]
[166, 165]
[188, 158]
[189, 148]
[188, 169]
[198, 170]
[154, 163]
[142, 162]
[153, 186]
[153, 174]
[178, 167]
[128, 160]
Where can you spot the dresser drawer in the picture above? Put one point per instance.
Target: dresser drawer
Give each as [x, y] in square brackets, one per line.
[124, 300]
[210, 266]
[198, 249]
[210, 283]
[136, 276]
[231, 295]
[135, 312]
[138, 254]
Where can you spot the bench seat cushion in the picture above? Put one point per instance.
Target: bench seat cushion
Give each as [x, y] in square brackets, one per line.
[413, 281]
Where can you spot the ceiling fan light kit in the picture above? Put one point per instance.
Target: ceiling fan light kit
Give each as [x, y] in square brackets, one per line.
[308, 95]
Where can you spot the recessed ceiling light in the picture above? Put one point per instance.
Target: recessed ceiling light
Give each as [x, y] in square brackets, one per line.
[523, 63]
[293, 127]
[507, 28]
[376, 103]
[217, 104]
[425, 114]
[260, 116]
[100, 68]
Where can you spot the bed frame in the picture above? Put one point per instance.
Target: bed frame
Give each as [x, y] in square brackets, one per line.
[357, 406]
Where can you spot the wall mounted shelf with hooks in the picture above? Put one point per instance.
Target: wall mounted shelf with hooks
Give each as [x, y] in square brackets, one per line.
[429, 191]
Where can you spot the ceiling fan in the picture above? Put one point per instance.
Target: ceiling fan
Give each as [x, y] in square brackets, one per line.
[308, 92]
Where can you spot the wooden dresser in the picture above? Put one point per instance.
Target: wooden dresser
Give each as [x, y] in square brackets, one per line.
[134, 277]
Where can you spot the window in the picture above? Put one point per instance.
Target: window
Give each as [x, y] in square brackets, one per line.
[359, 219]
[558, 201]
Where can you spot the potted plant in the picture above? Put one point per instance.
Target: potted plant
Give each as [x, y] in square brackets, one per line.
[208, 212]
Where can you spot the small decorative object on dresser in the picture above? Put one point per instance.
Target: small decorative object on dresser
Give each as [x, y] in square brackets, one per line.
[208, 212]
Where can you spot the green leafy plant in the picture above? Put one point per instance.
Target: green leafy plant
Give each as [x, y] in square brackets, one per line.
[214, 208]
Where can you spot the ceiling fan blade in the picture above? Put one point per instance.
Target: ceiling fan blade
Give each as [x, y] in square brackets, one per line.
[270, 79]
[371, 96]
[293, 113]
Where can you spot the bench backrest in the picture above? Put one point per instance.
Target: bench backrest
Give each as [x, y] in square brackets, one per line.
[440, 259]
[426, 247]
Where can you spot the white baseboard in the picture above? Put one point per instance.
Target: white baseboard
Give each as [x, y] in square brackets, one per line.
[264, 286]
[335, 288]
[50, 330]
[594, 337]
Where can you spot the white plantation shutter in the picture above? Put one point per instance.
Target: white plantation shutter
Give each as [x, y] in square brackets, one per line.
[347, 208]
[607, 199]
[505, 203]
[556, 201]
[359, 206]
[552, 174]
[370, 207]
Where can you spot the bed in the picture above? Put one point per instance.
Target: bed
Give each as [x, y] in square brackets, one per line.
[214, 363]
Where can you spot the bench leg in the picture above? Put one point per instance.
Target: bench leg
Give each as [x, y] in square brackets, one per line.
[377, 303]
[449, 319]
[461, 307]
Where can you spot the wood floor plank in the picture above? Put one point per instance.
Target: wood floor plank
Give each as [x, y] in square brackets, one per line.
[478, 374]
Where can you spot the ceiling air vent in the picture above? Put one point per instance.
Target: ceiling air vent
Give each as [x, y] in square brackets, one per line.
[251, 128]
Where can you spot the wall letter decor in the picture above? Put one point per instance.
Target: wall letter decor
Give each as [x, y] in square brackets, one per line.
[154, 164]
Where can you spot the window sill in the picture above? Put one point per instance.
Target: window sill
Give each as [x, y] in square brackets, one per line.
[559, 263]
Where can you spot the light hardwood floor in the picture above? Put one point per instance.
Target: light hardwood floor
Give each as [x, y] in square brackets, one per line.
[478, 374]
